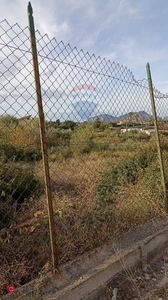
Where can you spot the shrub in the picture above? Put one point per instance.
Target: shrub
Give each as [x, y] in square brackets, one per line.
[81, 141]
[164, 142]
[58, 137]
[7, 121]
[129, 135]
[108, 184]
[104, 126]
[127, 171]
[99, 147]
[13, 153]
[59, 152]
[96, 123]
[19, 143]
[31, 155]
[21, 138]
[68, 125]
[143, 136]
[135, 136]
[145, 157]
[7, 149]
[17, 184]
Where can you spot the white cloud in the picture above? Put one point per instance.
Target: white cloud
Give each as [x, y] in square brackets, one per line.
[127, 31]
[46, 20]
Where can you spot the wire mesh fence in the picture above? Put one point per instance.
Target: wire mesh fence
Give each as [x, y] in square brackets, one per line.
[104, 167]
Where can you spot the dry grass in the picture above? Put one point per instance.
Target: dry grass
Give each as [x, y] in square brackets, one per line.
[149, 282]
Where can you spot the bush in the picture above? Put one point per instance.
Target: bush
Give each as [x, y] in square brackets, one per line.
[99, 147]
[143, 136]
[17, 184]
[108, 184]
[129, 135]
[7, 121]
[59, 152]
[58, 137]
[96, 123]
[21, 138]
[68, 125]
[7, 149]
[104, 126]
[127, 171]
[81, 141]
[164, 142]
[19, 143]
[13, 153]
[135, 136]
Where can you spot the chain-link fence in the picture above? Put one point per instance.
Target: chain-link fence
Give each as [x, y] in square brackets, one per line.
[102, 153]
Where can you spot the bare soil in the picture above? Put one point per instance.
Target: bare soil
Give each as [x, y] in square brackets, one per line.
[147, 283]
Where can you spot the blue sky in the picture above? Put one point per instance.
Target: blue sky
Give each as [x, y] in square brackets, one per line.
[125, 31]
[128, 32]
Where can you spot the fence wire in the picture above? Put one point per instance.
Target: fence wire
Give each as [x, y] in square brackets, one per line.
[104, 168]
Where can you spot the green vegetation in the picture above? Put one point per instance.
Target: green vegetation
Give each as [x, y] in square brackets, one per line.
[81, 141]
[17, 185]
[126, 171]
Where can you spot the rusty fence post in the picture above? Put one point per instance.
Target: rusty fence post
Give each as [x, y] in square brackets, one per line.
[43, 140]
[157, 135]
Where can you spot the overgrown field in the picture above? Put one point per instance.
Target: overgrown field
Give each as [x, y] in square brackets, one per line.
[103, 184]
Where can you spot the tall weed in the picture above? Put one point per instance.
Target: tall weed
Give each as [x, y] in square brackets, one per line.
[126, 171]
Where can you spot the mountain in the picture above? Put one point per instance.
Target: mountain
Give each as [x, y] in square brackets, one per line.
[104, 118]
[135, 116]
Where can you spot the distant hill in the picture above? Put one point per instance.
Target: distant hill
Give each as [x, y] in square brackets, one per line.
[104, 118]
[139, 116]
[136, 116]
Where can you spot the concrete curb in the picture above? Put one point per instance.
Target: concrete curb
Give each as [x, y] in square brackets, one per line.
[91, 285]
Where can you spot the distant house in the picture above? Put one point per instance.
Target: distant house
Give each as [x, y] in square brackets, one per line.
[133, 129]
[24, 120]
[148, 131]
[124, 130]
[123, 122]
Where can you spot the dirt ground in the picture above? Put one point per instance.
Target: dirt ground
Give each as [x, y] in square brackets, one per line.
[147, 283]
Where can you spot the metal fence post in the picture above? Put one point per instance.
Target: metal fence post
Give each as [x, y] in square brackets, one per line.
[157, 135]
[43, 139]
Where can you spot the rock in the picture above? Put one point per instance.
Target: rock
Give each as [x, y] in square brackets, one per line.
[147, 277]
[145, 268]
[154, 279]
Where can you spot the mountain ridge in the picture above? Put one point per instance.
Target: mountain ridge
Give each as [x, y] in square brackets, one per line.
[134, 116]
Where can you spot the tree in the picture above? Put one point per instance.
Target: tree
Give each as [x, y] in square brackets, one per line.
[137, 118]
[7, 123]
[130, 115]
[58, 122]
[96, 123]
[68, 125]
[54, 124]
[8, 120]
[21, 138]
